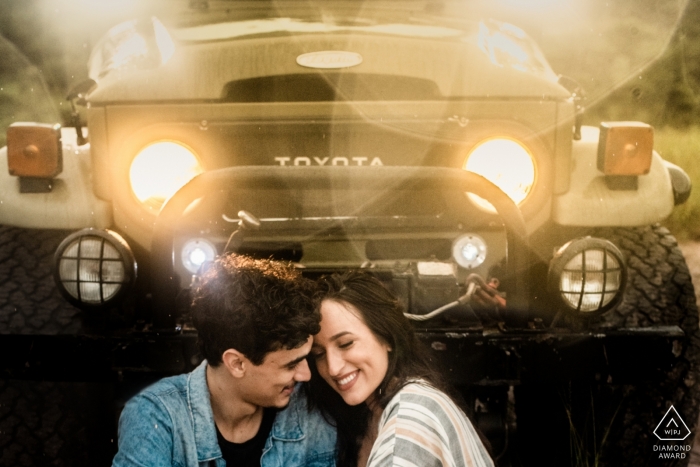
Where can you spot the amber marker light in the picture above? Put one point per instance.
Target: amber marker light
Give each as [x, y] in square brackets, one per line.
[34, 150]
[507, 164]
[160, 169]
[625, 148]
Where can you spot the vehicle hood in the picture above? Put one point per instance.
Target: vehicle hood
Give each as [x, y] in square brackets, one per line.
[485, 60]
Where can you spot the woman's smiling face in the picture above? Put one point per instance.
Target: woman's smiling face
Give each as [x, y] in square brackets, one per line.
[348, 356]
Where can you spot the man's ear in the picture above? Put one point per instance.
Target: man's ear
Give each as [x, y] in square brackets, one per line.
[235, 362]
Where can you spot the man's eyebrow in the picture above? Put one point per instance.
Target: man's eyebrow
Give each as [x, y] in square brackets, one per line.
[295, 361]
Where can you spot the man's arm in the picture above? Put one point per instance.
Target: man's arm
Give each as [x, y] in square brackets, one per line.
[145, 434]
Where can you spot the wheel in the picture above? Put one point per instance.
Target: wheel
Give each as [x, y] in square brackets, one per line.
[29, 300]
[46, 423]
[56, 424]
[605, 422]
[659, 292]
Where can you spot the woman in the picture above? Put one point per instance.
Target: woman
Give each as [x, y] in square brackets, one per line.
[378, 383]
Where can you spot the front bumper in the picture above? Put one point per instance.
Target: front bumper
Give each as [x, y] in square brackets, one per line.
[470, 357]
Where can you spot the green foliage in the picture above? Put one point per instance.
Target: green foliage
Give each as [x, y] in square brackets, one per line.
[666, 92]
[588, 443]
[682, 147]
[23, 91]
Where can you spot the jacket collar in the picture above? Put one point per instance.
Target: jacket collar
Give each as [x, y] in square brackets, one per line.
[199, 402]
[287, 426]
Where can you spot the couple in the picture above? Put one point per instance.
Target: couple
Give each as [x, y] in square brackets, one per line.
[372, 397]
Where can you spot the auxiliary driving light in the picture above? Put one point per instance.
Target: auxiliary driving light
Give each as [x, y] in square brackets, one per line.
[469, 251]
[588, 274]
[94, 268]
[196, 252]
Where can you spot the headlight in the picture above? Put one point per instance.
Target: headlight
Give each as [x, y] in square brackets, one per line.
[94, 267]
[160, 169]
[588, 275]
[195, 253]
[507, 164]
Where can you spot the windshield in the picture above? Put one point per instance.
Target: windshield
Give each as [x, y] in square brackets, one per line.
[603, 45]
[600, 44]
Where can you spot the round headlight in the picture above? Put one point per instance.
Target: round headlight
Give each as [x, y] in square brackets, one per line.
[507, 164]
[588, 275]
[196, 252]
[469, 251]
[94, 267]
[160, 169]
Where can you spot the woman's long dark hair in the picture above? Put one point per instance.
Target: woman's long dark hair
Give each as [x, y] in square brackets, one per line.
[409, 359]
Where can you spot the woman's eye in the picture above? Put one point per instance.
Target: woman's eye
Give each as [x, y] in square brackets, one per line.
[317, 355]
[345, 345]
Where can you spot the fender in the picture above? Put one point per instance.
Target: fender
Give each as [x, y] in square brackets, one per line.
[70, 205]
[589, 202]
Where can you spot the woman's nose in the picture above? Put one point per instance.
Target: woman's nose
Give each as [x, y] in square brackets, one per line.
[335, 362]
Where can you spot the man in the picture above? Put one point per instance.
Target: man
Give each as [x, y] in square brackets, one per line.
[255, 321]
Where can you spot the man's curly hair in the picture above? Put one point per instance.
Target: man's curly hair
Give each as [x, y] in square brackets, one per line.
[253, 306]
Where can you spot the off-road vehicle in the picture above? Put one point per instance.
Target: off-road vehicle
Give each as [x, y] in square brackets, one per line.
[432, 146]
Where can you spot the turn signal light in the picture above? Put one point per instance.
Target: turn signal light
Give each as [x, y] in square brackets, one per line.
[625, 148]
[34, 150]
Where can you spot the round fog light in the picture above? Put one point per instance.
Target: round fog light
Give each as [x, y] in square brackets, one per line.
[196, 252]
[469, 251]
[588, 275]
[94, 268]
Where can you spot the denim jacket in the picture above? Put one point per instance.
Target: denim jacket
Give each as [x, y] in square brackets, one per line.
[171, 424]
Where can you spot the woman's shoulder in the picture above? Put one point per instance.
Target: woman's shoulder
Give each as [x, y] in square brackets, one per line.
[420, 396]
[418, 388]
[424, 421]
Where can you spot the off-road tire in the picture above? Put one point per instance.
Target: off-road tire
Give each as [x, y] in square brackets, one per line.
[597, 420]
[46, 423]
[29, 300]
[659, 292]
[56, 424]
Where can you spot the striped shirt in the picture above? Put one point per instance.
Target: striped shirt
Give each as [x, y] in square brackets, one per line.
[422, 427]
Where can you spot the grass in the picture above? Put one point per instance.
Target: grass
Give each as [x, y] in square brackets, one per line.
[586, 446]
[682, 147]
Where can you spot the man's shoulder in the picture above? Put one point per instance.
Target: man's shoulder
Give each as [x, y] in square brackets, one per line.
[167, 386]
[165, 392]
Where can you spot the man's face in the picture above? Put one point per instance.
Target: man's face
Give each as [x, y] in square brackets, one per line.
[271, 383]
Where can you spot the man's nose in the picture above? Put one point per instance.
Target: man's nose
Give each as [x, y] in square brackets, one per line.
[303, 373]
